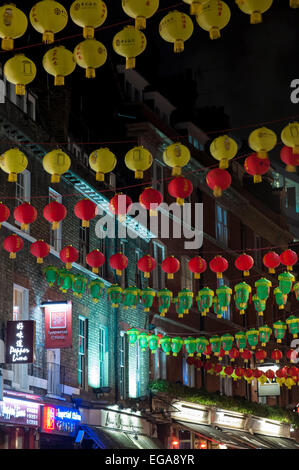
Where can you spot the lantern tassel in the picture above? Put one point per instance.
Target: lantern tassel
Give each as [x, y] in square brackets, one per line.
[140, 22]
[215, 33]
[217, 192]
[223, 163]
[7, 44]
[196, 276]
[59, 80]
[68, 265]
[24, 226]
[90, 72]
[95, 270]
[257, 179]
[178, 46]
[219, 275]
[262, 154]
[256, 17]
[153, 213]
[176, 171]
[88, 32]
[39, 260]
[12, 255]
[118, 272]
[48, 37]
[180, 201]
[100, 176]
[271, 271]
[146, 275]
[20, 89]
[130, 63]
[246, 273]
[195, 8]
[289, 268]
[85, 223]
[55, 178]
[12, 178]
[55, 225]
[138, 174]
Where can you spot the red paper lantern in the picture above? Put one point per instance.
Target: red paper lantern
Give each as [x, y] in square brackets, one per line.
[198, 363]
[208, 351]
[281, 373]
[260, 355]
[271, 260]
[40, 250]
[180, 188]
[170, 265]
[151, 199]
[197, 265]
[233, 354]
[246, 355]
[85, 210]
[256, 167]
[293, 372]
[228, 370]
[218, 368]
[68, 255]
[218, 265]
[289, 158]
[218, 180]
[54, 212]
[146, 264]
[95, 259]
[13, 243]
[276, 355]
[119, 262]
[270, 374]
[120, 205]
[244, 263]
[257, 373]
[248, 373]
[239, 371]
[289, 258]
[4, 213]
[25, 214]
[291, 355]
[221, 353]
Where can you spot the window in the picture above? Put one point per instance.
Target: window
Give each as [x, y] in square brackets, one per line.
[159, 275]
[20, 312]
[226, 383]
[83, 244]
[23, 187]
[186, 277]
[122, 365]
[55, 235]
[221, 225]
[188, 373]
[160, 370]
[158, 183]
[225, 282]
[82, 352]
[31, 106]
[185, 439]
[102, 349]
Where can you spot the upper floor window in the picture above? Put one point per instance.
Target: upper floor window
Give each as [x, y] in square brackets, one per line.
[186, 275]
[122, 365]
[82, 352]
[23, 187]
[159, 275]
[83, 244]
[221, 225]
[55, 235]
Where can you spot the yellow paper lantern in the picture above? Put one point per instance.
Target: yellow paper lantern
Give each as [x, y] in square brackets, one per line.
[176, 156]
[223, 148]
[140, 10]
[56, 163]
[48, 17]
[129, 43]
[102, 161]
[254, 8]
[195, 5]
[213, 17]
[294, 3]
[139, 160]
[88, 15]
[262, 140]
[13, 161]
[59, 62]
[176, 27]
[90, 55]
[290, 136]
[20, 71]
[13, 24]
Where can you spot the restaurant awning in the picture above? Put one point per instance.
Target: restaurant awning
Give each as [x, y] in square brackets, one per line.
[248, 439]
[279, 442]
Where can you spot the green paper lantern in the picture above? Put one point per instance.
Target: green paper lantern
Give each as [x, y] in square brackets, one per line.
[142, 339]
[204, 300]
[176, 345]
[242, 291]
[51, 274]
[130, 297]
[165, 344]
[164, 297]
[227, 342]
[190, 344]
[147, 296]
[280, 298]
[263, 286]
[185, 297]
[153, 343]
[252, 336]
[241, 340]
[293, 324]
[296, 290]
[96, 288]
[215, 342]
[259, 305]
[264, 334]
[201, 344]
[179, 307]
[224, 295]
[114, 295]
[286, 280]
[217, 307]
[279, 328]
[79, 284]
[133, 334]
[64, 280]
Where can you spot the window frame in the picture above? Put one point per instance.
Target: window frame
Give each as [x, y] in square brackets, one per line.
[221, 226]
[55, 236]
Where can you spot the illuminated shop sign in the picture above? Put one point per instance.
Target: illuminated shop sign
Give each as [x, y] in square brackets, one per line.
[229, 420]
[60, 420]
[20, 342]
[186, 412]
[58, 326]
[23, 413]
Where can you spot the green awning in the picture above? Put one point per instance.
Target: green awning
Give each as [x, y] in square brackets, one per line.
[279, 442]
[105, 438]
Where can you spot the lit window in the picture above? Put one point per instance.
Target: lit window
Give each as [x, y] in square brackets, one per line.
[221, 225]
[159, 275]
[102, 356]
[122, 365]
[82, 352]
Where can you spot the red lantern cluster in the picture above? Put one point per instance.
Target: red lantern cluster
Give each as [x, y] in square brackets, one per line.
[4, 213]
[146, 264]
[289, 258]
[54, 212]
[271, 260]
[256, 167]
[85, 210]
[68, 255]
[95, 259]
[218, 265]
[151, 199]
[244, 263]
[197, 265]
[180, 188]
[291, 159]
[119, 262]
[40, 250]
[170, 265]
[218, 180]
[13, 243]
[25, 214]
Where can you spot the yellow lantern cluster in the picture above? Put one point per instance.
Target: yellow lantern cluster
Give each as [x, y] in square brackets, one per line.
[48, 18]
[102, 161]
[56, 163]
[13, 161]
[13, 24]
[254, 8]
[20, 71]
[129, 43]
[90, 55]
[88, 15]
[290, 136]
[59, 62]
[223, 148]
[138, 160]
[176, 27]
[176, 156]
[140, 10]
[213, 17]
[262, 140]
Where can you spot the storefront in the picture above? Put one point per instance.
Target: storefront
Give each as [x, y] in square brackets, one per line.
[59, 426]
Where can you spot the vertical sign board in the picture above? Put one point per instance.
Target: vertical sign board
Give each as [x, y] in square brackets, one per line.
[58, 326]
[20, 342]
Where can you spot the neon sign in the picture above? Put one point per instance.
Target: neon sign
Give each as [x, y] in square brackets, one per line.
[60, 419]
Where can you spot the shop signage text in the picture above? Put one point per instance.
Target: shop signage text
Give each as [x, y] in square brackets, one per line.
[60, 420]
[58, 326]
[19, 412]
[20, 342]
